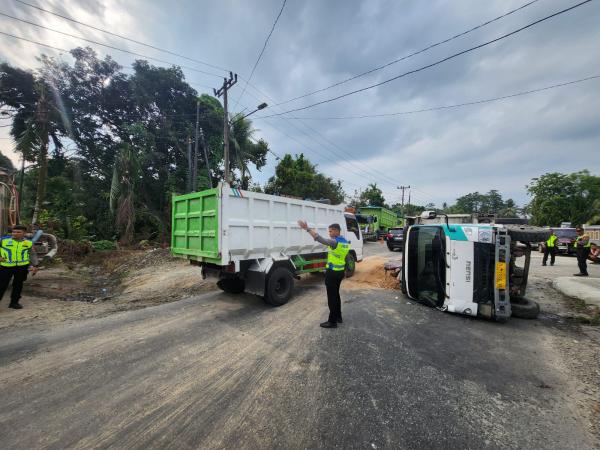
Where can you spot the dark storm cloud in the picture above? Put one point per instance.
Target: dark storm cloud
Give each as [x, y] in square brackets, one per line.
[444, 154]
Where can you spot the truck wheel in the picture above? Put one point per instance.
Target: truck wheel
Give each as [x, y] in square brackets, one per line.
[350, 265]
[232, 285]
[528, 234]
[280, 285]
[524, 308]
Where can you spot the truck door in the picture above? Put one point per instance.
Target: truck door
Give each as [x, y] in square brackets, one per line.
[354, 235]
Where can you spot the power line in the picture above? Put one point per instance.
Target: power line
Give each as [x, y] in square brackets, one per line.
[109, 46]
[418, 52]
[261, 52]
[438, 62]
[457, 105]
[122, 37]
[34, 42]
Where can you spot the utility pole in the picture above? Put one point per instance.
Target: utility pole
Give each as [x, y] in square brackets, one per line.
[403, 188]
[206, 158]
[195, 172]
[190, 168]
[227, 84]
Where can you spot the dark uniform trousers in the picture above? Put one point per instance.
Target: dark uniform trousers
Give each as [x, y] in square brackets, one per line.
[552, 252]
[582, 254]
[333, 280]
[19, 275]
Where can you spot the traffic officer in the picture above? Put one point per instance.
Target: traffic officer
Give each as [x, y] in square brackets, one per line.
[337, 250]
[550, 248]
[16, 255]
[582, 247]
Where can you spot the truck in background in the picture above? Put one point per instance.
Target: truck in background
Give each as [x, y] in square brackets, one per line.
[384, 219]
[251, 242]
[469, 268]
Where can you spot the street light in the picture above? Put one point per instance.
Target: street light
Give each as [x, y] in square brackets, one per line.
[258, 108]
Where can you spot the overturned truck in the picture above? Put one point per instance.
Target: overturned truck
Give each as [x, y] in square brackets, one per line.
[477, 269]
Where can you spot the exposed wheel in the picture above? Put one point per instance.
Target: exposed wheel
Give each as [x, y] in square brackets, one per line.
[524, 308]
[528, 234]
[280, 285]
[350, 265]
[232, 285]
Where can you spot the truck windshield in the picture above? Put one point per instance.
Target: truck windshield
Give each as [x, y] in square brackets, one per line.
[425, 260]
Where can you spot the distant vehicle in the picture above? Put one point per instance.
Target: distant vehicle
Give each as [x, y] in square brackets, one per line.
[395, 239]
[384, 219]
[565, 244]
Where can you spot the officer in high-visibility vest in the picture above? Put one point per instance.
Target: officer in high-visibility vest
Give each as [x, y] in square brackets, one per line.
[337, 250]
[550, 248]
[582, 247]
[16, 256]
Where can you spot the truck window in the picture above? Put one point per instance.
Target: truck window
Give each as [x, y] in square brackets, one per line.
[352, 225]
[426, 264]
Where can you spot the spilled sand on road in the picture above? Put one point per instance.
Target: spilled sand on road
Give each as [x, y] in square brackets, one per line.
[371, 273]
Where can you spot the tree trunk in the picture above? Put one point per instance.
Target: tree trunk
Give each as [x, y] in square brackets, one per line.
[41, 181]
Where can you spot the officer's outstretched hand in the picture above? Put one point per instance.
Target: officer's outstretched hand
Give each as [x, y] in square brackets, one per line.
[302, 224]
[33, 269]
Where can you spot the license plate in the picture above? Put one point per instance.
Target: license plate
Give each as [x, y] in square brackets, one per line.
[500, 275]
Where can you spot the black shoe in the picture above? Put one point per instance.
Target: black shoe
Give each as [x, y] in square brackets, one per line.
[551, 264]
[580, 274]
[329, 325]
[15, 306]
[340, 320]
[543, 264]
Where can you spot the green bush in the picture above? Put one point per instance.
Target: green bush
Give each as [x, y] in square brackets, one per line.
[104, 245]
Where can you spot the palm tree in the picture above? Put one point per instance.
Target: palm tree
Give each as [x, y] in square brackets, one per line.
[244, 149]
[126, 174]
[36, 120]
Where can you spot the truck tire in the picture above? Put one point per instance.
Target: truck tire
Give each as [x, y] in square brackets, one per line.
[232, 285]
[280, 285]
[524, 308]
[350, 265]
[528, 234]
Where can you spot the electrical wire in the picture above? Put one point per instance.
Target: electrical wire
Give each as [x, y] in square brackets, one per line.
[261, 52]
[122, 37]
[418, 52]
[438, 108]
[109, 46]
[436, 63]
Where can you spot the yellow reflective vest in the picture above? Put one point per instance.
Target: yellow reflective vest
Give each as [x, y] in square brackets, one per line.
[336, 257]
[15, 253]
[587, 244]
[551, 242]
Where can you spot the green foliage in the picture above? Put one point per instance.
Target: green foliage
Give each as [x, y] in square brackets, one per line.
[559, 197]
[6, 163]
[103, 245]
[490, 203]
[97, 111]
[371, 196]
[297, 176]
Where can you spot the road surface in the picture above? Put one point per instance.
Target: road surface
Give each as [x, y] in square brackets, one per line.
[223, 371]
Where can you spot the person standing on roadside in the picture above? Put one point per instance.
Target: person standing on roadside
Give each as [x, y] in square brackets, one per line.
[337, 250]
[582, 247]
[550, 248]
[16, 256]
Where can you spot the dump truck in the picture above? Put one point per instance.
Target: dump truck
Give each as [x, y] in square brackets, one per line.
[470, 269]
[251, 242]
[384, 219]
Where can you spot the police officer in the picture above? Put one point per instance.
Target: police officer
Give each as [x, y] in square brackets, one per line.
[337, 250]
[582, 247]
[16, 255]
[550, 248]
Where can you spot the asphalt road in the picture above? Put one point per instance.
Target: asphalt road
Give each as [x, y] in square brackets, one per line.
[223, 371]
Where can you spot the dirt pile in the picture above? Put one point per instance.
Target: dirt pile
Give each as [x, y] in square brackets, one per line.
[371, 272]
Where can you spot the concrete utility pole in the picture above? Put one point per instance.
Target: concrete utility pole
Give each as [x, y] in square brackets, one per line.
[403, 188]
[227, 84]
[195, 160]
[206, 158]
[190, 165]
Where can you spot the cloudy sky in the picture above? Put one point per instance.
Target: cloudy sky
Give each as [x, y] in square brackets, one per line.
[441, 154]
